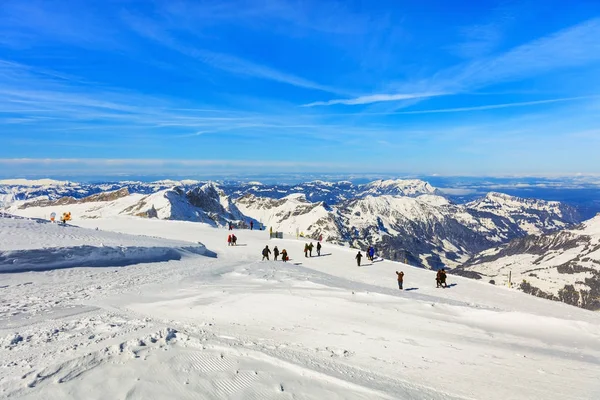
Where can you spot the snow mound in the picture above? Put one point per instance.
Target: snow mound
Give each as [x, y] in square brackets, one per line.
[37, 245]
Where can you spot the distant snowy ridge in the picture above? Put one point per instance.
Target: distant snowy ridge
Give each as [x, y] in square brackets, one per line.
[30, 182]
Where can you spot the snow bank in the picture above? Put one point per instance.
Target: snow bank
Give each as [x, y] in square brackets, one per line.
[36, 245]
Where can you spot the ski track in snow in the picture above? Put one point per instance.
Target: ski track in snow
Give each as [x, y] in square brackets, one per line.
[234, 327]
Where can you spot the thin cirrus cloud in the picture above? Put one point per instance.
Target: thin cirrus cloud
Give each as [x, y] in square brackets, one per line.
[497, 106]
[375, 98]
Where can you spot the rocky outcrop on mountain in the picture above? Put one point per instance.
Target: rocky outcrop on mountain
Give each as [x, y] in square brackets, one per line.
[206, 204]
[529, 215]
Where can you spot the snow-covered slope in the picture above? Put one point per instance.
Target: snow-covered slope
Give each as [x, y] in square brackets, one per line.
[29, 245]
[233, 327]
[563, 266]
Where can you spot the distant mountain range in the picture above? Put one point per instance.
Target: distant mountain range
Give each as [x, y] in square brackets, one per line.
[406, 220]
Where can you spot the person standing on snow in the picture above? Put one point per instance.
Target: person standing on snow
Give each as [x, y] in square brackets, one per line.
[443, 278]
[400, 279]
[275, 253]
[251, 225]
[358, 257]
[233, 240]
[310, 247]
[372, 253]
[306, 250]
[284, 256]
[319, 249]
[229, 240]
[266, 253]
[230, 226]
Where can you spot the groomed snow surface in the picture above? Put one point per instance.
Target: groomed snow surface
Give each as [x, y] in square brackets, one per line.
[153, 309]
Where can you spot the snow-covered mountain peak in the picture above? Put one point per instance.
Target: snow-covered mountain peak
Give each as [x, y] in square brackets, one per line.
[296, 197]
[399, 187]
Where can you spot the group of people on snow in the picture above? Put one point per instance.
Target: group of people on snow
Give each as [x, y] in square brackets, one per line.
[231, 240]
[266, 251]
[370, 255]
[308, 248]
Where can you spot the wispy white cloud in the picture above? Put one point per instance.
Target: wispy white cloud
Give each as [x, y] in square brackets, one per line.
[375, 98]
[572, 47]
[575, 46]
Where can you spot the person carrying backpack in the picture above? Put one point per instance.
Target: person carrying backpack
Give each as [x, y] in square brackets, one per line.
[266, 253]
[319, 249]
[400, 279]
[358, 258]
[275, 253]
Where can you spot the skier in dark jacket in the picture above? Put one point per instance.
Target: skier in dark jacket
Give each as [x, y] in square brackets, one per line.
[319, 249]
[251, 225]
[233, 240]
[266, 252]
[371, 253]
[358, 258]
[275, 253]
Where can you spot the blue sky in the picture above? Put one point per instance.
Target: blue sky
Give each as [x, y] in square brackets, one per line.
[407, 87]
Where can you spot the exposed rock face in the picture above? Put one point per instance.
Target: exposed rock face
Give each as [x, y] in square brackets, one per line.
[104, 196]
[562, 266]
